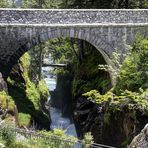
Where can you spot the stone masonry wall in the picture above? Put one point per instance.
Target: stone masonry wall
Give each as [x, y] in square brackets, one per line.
[73, 16]
[107, 30]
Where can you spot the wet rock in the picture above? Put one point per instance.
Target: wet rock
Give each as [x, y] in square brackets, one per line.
[3, 84]
[141, 140]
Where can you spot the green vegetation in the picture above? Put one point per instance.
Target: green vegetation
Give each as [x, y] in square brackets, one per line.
[6, 101]
[128, 99]
[26, 90]
[32, 94]
[43, 89]
[24, 119]
[4, 4]
[131, 100]
[86, 4]
[131, 89]
[27, 94]
[88, 139]
[7, 136]
[87, 76]
[12, 139]
[134, 71]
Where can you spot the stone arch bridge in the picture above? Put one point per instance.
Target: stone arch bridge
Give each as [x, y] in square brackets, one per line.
[107, 30]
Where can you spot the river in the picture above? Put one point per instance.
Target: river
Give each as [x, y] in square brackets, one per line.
[56, 116]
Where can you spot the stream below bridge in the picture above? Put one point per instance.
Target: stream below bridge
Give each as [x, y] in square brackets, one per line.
[56, 114]
[57, 121]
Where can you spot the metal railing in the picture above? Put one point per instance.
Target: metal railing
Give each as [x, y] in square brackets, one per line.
[36, 139]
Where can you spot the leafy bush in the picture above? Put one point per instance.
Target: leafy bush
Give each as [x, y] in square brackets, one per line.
[134, 71]
[24, 119]
[58, 132]
[8, 135]
[132, 100]
[6, 101]
[96, 97]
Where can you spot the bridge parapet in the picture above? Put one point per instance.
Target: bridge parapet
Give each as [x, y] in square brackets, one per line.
[73, 17]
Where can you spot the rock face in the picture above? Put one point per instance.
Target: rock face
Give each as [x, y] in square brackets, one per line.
[114, 128]
[3, 84]
[60, 98]
[141, 140]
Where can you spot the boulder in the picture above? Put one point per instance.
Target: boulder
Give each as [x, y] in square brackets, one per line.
[141, 140]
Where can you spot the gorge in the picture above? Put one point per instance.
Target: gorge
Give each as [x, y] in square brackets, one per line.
[100, 94]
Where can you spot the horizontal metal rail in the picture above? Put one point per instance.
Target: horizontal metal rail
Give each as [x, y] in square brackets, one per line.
[95, 145]
[60, 142]
[54, 65]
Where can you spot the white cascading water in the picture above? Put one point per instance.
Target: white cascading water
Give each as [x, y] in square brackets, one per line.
[56, 116]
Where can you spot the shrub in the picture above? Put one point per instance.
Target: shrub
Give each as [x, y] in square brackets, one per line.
[8, 135]
[132, 100]
[134, 71]
[24, 119]
[58, 132]
[6, 101]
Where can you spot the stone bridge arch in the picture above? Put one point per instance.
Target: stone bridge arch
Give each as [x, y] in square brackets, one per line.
[34, 38]
[107, 30]
[94, 39]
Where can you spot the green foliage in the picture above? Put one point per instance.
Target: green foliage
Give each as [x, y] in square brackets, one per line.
[27, 96]
[96, 97]
[41, 3]
[87, 74]
[20, 145]
[115, 65]
[25, 63]
[4, 4]
[62, 49]
[33, 94]
[43, 89]
[132, 100]
[146, 4]
[6, 101]
[58, 132]
[134, 71]
[24, 119]
[7, 135]
[57, 138]
[54, 139]
[88, 139]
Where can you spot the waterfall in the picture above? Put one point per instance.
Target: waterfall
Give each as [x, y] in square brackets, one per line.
[56, 115]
